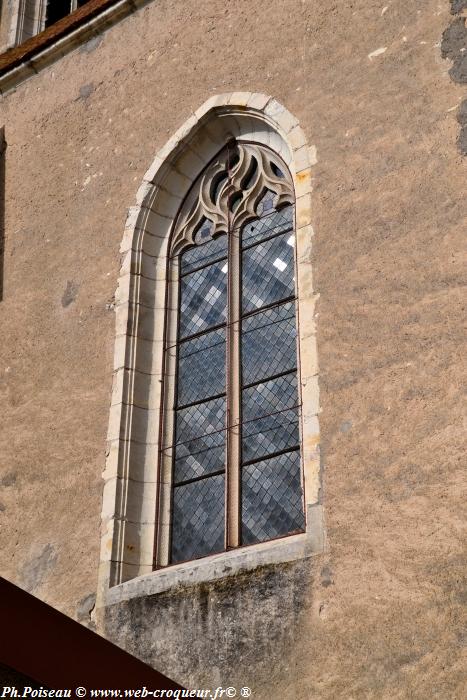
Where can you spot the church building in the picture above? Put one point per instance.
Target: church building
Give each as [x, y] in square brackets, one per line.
[233, 331]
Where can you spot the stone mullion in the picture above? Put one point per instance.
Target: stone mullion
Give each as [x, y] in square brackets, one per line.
[232, 500]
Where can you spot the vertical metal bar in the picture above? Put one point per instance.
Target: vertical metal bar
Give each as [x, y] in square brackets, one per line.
[165, 462]
[299, 360]
[233, 388]
[2, 207]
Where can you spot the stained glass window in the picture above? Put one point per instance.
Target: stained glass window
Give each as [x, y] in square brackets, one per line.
[236, 468]
[200, 423]
[271, 502]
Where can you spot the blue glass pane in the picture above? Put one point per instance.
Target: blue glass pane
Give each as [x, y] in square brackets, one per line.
[267, 226]
[200, 433]
[266, 203]
[198, 519]
[203, 253]
[268, 343]
[271, 396]
[272, 498]
[265, 436]
[268, 272]
[270, 417]
[194, 461]
[203, 299]
[201, 367]
[200, 419]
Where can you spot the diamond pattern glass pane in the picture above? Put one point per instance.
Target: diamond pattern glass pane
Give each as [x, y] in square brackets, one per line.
[268, 272]
[203, 299]
[266, 203]
[267, 226]
[271, 434]
[200, 432]
[198, 519]
[271, 502]
[201, 419]
[204, 253]
[201, 367]
[272, 498]
[269, 397]
[199, 457]
[269, 343]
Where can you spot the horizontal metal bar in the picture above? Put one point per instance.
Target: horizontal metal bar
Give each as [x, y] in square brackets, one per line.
[199, 478]
[267, 307]
[201, 267]
[218, 326]
[268, 238]
[230, 427]
[197, 403]
[268, 430]
[197, 335]
[196, 352]
[269, 379]
[270, 456]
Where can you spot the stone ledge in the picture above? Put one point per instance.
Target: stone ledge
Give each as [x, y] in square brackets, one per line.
[219, 566]
[23, 61]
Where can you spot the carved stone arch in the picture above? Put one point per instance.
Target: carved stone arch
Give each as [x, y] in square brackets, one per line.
[254, 167]
[131, 485]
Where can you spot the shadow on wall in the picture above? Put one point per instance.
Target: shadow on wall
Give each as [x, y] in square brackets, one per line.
[2, 207]
[454, 47]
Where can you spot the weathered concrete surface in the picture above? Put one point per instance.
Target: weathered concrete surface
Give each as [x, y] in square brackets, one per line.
[454, 47]
[229, 631]
[458, 6]
[381, 615]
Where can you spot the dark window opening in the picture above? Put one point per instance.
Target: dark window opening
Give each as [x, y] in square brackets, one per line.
[58, 9]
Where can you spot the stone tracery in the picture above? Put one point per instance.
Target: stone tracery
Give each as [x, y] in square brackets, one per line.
[229, 192]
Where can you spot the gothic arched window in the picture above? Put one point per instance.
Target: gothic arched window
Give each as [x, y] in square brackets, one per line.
[230, 466]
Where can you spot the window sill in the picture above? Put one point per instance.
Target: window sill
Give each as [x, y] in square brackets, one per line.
[21, 62]
[219, 566]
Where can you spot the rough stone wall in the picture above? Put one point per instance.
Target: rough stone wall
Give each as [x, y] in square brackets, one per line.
[380, 614]
[242, 631]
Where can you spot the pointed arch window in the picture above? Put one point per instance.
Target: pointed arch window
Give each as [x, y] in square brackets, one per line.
[230, 457]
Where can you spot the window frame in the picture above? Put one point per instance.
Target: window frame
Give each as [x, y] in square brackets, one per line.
[185, 226]
[36, 12]
[131, 487]
[73, 6]
[32, 9]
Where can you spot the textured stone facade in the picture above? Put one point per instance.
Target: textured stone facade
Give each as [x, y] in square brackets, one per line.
[379, 611]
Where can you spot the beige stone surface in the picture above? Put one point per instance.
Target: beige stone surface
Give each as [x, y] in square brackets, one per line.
[383, 611]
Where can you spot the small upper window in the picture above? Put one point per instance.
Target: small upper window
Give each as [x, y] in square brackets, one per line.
[58, 9]
[34, 16]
